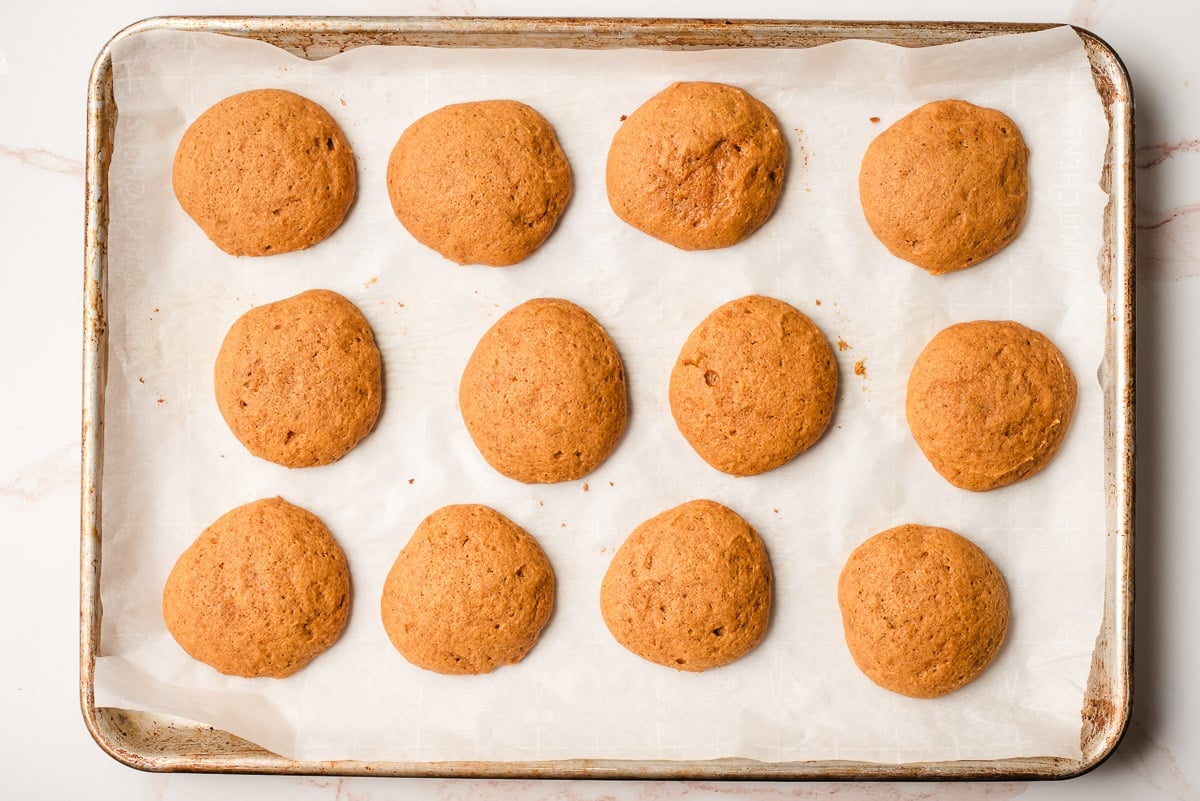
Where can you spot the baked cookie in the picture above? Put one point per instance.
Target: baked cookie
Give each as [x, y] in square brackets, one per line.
[470, 592]
[924, 610]
[264, 172]
[690, 588]
[261, 592]
[754, 385]
[699, 165]
[989, 403]
[946, 186]
[480, 183]
[299, 381]
[543, 394]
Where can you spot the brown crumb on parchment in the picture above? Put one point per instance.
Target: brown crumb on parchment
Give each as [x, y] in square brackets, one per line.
[411, 480]
[843, 345]
[585, 487]
[860, 368]
[817, 301]
[875, 119]
[624, 117]
[373, 279]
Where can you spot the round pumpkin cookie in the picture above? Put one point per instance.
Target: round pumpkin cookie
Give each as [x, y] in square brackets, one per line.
[300, 381]
[924, 610]
[989, 403]
[480, 183]
[699, 165]
[261, 592]
[543, 395]
[470, 592]
[264, 172]
[690, 588]
[946, 186]
[754, 385]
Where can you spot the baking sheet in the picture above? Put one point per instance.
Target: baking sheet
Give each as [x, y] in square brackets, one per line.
[171, 467]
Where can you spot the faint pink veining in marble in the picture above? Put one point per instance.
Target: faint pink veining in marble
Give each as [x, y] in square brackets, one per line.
[521, 790]
[38, 479]
[1169, 216]
[1155, 763]
[352, 789]
[1168, 239]
[1168, 243]
[867, 791]
[41, 159]
[1160, 153]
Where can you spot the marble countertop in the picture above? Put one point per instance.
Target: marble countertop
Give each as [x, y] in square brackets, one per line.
[46, 51]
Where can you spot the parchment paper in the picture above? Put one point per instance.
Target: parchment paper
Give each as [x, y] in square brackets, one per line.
[171, 466]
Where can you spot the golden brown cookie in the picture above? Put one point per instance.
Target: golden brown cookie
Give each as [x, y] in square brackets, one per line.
[699, 165]
[989, 403]
[261, 592]
[480, 183]
[264, 172]
[543, 394]
[946, 186]
[924, 610]
[690, 588]
[754, 385]
[299, 381]
[470, 592]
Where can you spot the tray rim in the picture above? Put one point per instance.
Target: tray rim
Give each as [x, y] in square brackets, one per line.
[134, 739]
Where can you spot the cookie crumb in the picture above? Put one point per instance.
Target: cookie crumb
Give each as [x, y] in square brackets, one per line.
[372, 280]
[843, 345]
[860, 368]
[874, 119]
[585, 487]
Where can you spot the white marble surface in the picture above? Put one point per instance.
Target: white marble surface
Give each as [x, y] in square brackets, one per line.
[46, 51]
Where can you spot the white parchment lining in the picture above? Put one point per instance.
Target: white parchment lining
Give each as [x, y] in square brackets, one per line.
[171, 466]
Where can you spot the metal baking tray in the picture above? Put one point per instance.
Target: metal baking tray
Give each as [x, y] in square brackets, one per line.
[162, 743]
